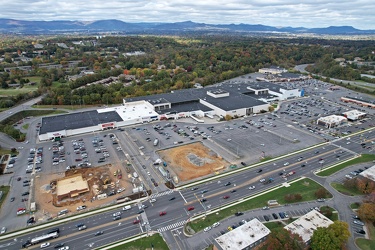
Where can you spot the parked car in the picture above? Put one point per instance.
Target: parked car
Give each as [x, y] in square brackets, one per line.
[190, 208]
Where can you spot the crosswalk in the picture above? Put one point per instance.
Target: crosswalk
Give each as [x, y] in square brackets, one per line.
[161, 194]
[172, 226]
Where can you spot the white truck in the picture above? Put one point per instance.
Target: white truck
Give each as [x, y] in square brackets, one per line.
[156, 142]
[128, 207]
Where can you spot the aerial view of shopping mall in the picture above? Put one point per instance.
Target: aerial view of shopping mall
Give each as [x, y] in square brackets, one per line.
[220, 166]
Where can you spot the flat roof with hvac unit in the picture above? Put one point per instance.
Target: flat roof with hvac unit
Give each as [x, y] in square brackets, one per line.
[331, 121]
[354, 115]
[307, 224]
[247, 236]
[71, 186]
[77, 120]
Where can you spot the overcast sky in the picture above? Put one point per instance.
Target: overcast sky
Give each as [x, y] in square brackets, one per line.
[295, 13]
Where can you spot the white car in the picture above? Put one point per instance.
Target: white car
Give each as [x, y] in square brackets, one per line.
[3, 230]
[64, 248]
[286, 163]
[82, 228]
[148, 173]
[55, 163]
[348, 176]
[251, 187]
[216, 224]
[44, 245]
[116, 214]
[262, 180]
[207, 229]
[153, 200]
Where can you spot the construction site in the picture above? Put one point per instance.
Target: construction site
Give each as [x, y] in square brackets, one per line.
[192, 161]
[92, 187]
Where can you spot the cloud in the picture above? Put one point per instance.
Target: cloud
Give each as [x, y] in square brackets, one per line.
[295, 13]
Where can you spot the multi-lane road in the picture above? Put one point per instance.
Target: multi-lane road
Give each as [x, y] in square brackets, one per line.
[176, 203]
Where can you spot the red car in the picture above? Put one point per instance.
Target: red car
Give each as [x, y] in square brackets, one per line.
[136, 221]
[162, 213]
[190, 208]
[226, 197]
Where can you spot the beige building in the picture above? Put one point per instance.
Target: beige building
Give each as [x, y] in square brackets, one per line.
[71, 187]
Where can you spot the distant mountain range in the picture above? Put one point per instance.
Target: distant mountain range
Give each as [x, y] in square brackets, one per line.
[10, 26]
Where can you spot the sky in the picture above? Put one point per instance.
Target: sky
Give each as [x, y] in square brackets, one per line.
[280, 13]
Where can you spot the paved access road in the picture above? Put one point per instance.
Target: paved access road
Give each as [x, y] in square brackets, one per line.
[177, 209]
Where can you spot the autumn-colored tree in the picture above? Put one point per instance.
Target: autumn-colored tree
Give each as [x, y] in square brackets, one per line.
[365, 185]
[228, 117]
[297, 197]
[367, 211]
[321, 193]
[282, 239]
[350, 183]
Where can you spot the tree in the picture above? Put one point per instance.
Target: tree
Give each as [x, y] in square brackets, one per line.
[367, 211]
[332, 237]
[323, 239]
[341, 231]
[282, 239]
[321, 193]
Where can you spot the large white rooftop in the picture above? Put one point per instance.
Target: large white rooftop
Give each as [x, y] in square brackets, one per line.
[332, 119]
[134, 111]
[243, 236]
[369, 173]
[307, 224]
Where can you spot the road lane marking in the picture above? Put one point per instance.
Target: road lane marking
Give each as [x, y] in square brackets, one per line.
[182, 196]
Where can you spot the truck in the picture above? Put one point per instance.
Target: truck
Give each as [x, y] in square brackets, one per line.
[128, 207]
[156, 142]
[32, 206]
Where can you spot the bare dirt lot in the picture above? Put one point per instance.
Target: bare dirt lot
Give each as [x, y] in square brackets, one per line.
[45, 197]
[192, 161]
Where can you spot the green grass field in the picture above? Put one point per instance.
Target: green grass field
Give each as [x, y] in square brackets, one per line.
[344, 190]
[305, 187]
[355, 205]
[145, 244]
[5, 190]
[16, 91]
[363, 158]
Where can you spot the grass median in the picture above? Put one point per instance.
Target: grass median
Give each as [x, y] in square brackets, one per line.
[305, 187]
[155, 242]
[362, 159]
[345, 190]
[367, 244]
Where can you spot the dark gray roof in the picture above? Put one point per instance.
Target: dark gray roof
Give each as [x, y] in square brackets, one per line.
[361, 99]
[291, 75]
[233, 101]
[186, 107]
[266, 85]
[239, 97]
[77, 120]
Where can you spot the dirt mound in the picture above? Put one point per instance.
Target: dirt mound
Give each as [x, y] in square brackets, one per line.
[192, 161]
